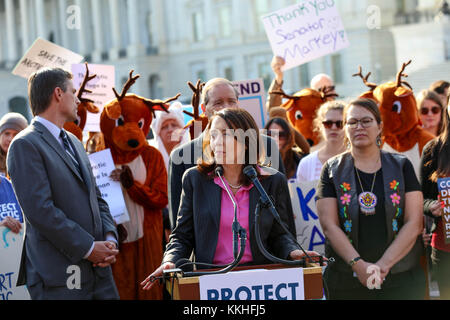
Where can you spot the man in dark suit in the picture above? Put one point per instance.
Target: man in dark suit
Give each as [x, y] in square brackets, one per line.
[217, 94]
[70, 238]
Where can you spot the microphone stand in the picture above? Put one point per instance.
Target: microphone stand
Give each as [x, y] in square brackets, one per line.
[266, 202]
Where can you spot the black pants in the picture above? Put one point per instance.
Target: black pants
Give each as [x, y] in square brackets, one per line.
[408, 285]
[441, 270]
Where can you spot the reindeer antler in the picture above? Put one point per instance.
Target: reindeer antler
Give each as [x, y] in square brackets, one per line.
[326, 92]
[400, 74]
[195, 101]
[151, 103]
[127, 86]
[83, 89]
[371, 85]
[282, 93]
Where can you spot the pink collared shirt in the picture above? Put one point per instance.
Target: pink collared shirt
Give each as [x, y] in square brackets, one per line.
[224, 248]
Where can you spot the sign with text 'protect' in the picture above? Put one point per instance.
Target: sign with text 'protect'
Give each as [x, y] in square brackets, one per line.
[252, 98]
[281, 284]
[43, 53]
[102, 165]
[444, 195]
[309, 231]
[305, 31]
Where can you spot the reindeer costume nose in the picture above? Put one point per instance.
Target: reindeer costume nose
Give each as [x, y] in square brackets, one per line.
[133, 143]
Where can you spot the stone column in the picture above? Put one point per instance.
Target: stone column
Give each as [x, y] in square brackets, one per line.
[135, 48]
[81, 33]
[40, 19]
[62, 7]
[24, 24]
[115, 30]
[98, 31]
[10, 33]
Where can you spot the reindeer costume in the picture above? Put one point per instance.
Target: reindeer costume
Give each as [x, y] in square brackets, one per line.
[402, 132]
[125, 123]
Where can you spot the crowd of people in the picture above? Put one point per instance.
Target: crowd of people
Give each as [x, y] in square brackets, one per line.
[375, 212]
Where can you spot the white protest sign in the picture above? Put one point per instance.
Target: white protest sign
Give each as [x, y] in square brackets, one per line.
[280, 284]
[102, 165]
[252, 99]
[309, 231]
[305, 31]
[10, 255]
[101, 87]
[43, 53]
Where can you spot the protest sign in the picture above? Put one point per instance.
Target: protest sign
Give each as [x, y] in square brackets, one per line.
[101, 87]
[309, 231]
[10, 255]
[252, 99]
[281, 284]
[444, 195]
[102, 165]
[305, 31]
[43, 53]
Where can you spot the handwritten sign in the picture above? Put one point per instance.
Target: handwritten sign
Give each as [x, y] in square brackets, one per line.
[101, 87]
[282, 284]
[444, 194]
[252, 98]
[309, 231]
[10, 255]
[43, 53]
[305, 31]
[102, 165]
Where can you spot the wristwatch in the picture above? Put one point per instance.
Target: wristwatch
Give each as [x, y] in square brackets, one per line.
[353, 261]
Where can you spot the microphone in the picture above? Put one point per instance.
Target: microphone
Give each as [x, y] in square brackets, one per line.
[267, 202]
[236, 226]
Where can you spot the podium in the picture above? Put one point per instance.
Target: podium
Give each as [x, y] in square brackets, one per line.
[187, 288]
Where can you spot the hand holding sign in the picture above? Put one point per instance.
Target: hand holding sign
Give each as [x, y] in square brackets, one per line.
[305, 31]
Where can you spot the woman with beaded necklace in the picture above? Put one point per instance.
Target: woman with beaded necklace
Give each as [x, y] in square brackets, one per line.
[370, 209]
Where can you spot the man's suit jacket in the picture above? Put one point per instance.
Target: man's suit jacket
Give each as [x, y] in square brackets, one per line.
[199, 219]
[185, 157]
[63, 210]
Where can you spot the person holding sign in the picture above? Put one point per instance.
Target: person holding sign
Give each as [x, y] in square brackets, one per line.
[231, 142]
[370, 208]
[70, 239]
[435, 164]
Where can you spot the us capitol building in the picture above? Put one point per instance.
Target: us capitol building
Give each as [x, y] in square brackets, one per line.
[170, 42]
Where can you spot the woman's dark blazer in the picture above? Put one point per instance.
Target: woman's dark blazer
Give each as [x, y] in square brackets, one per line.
[198, 219]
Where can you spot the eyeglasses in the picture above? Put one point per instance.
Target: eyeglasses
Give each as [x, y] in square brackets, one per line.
[434, 110]
[365, 123]
[328, 124]
[274, 133]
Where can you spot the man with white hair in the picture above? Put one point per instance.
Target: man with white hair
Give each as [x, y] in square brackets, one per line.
[323, 81]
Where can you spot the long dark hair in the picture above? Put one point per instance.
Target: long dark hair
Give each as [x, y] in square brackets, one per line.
[245, 131]
[441, 145]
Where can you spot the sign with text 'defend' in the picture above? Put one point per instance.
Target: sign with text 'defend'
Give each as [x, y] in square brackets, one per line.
[281, 284]
[102, 165]
[43, 53]
[444, 196]
[252, 98]
[305, 31]
[10, 255]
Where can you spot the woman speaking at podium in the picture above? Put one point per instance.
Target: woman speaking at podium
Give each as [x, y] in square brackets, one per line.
[370, 209]
[204, 223]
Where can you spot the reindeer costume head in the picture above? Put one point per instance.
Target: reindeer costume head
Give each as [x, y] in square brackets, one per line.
[76, 127]
[402, 130]
[301, 110]
[125, 122]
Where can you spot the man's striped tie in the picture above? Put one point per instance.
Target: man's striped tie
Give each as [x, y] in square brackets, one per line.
[69, 150]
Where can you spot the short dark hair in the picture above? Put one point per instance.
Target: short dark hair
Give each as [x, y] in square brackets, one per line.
[246, 131]
[439, 86]
[41, 85]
